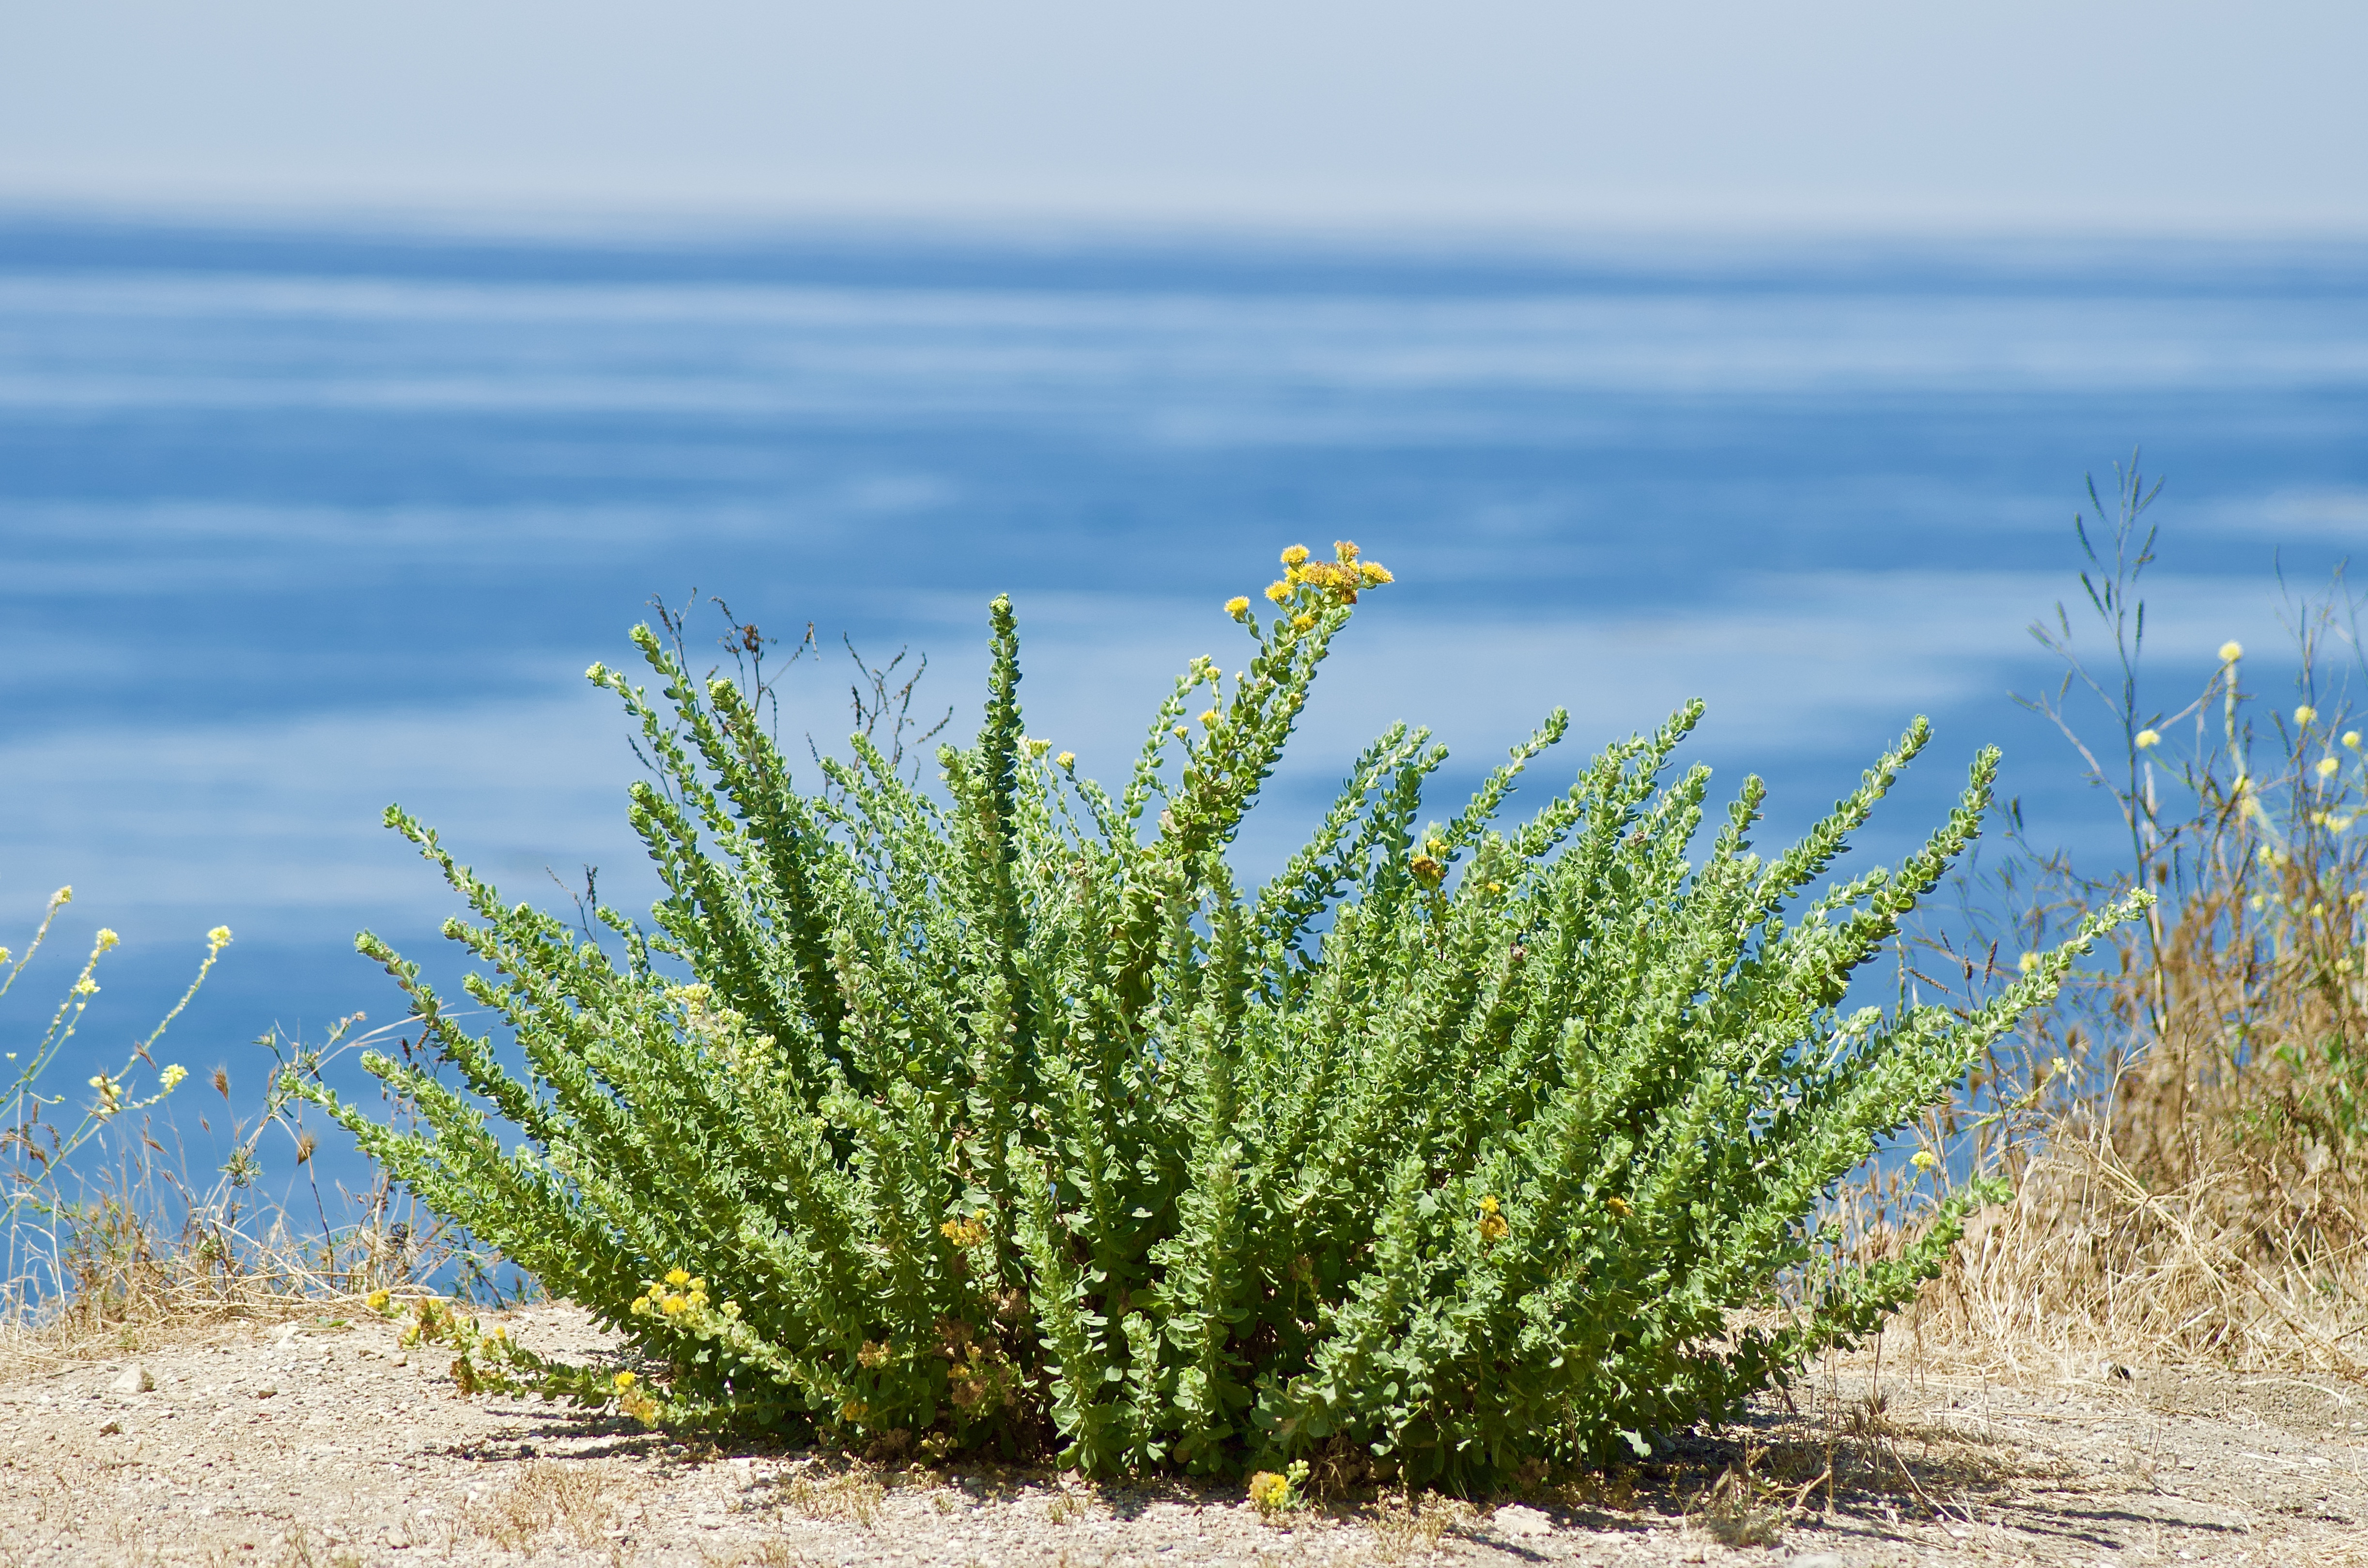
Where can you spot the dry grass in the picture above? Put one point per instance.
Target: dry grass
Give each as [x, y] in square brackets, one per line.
[1413, 1524]
[852, 1494]
[1737, 1509]
[297, 1548]
[2093, 1262]
[2187, 1130]
[775, 1554]
[548, 1498]
[134, 1289]
[125, 1248]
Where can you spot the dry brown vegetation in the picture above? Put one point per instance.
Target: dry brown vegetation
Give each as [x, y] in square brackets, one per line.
[547, 1498]
[2187, 1134]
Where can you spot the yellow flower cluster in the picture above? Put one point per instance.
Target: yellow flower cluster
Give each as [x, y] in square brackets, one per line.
[677, 1298]
[1429, 868]
[1924, 1160]
[1271, 1494]
[1311, 585]
[1493, 1227]
[965, 1232]
[633, 1399]
[111, 1094]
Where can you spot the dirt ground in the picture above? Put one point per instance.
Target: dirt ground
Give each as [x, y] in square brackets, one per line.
[320, 1442]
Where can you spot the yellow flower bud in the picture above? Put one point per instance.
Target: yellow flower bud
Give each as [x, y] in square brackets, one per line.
[2028, 963]
[1238, 605]
[219, 937]
[2305, 714]
[1294, 555]
[1066, 761]
[2231, 651]
[2326, 766]
[2148, 739]
[1923, 1160]
[108, 940]
[1279, 592]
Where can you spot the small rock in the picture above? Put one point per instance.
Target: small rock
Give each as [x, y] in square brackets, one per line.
[2109, 1370]
[136, 1378]
[265, 1394]
[1517, 1519]
[113, 1429]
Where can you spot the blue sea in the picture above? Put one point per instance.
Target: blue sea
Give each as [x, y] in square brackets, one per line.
[298, 523]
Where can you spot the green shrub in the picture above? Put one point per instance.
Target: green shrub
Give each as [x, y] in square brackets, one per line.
[1006, 1118]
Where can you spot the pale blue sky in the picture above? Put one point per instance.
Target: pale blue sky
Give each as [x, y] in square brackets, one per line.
[1488, 114]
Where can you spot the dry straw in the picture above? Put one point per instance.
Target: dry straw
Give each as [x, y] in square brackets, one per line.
[2187, 1133]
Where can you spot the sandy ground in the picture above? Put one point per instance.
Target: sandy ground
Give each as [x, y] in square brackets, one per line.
[320, 1442]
